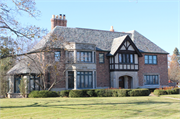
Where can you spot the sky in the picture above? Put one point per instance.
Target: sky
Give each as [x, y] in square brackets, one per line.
[157, 20]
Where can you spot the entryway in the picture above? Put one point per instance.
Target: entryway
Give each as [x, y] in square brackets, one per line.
[125, 82]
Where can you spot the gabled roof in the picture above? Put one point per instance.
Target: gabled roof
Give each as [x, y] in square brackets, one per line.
[116, 44]
[102, 39]
[119, 42]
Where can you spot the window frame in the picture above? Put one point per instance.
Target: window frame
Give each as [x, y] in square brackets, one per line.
[83, 74]
[124, 58]
[150, 80]
[152, 60]
[82, 59]
[59, 55]
[102, 57]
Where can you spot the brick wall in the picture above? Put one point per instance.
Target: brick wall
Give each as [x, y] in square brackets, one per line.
[50, 60]
[102, 70]
[161, 68]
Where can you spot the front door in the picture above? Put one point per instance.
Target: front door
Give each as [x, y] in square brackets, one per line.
[121, 82]
[70, 79]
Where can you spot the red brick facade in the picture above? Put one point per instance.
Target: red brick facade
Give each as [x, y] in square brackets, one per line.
[161, 68]
[102, 69]
[60, 68]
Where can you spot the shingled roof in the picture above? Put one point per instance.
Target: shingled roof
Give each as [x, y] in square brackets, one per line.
[102, 39]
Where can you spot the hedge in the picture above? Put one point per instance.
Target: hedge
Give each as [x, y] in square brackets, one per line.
[139, 92]
[76, 93]
[123, 92]
[43, 94]
[64, 93]
[165, 92]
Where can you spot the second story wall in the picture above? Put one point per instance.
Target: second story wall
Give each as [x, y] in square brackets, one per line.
[155, 68]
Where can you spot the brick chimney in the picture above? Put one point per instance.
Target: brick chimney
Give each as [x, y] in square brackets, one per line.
[112, 29]
[58, 21]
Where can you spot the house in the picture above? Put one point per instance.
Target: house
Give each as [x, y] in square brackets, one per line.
[101, 59]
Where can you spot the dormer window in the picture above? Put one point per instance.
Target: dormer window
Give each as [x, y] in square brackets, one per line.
[57, 56]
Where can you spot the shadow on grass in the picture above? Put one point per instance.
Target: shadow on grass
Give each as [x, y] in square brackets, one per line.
[91, 104]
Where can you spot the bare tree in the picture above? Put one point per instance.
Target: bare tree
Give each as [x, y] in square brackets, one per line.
[174, 69]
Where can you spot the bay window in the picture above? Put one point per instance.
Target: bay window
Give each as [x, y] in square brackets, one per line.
[84, 56]
[126, 58]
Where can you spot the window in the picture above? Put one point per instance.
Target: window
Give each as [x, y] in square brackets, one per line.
[70, 79]
[151, 79]
[57, 56]
[33, 82]
[150, 59]
[126, 58]
[84, 79]
[83, 56]
[101, 57]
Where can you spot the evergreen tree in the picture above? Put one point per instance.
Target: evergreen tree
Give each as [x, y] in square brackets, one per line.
[176, 51]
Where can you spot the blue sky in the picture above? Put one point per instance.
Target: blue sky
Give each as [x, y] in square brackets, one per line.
[157, 20]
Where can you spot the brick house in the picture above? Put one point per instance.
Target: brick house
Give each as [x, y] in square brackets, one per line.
[101, 59]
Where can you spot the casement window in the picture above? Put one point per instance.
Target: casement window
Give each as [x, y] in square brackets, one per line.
[101, 57]
[57, 56]
[150, 59]
[33, 82]
[84, 56]
[84, 79]
[126, 58]
[151, 79]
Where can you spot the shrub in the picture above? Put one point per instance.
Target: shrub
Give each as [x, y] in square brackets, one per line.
[139, 92]
[100, 92]
[123, 92]
[42, 94]
[64, 93]
[76, 93]
[114, 93]
[176, 90]
[159, 92]
[170, 92]
[90, 93]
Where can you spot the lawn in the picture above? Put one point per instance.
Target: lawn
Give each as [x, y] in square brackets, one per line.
[90, 108]
[173, 96]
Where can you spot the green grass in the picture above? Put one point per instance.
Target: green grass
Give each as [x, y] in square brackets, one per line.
[173, 96]
[90, 108]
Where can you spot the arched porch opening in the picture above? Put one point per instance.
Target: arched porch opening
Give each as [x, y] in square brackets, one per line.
[125, 82]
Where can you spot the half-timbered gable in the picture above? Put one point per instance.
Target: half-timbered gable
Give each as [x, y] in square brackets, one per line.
[124, 55]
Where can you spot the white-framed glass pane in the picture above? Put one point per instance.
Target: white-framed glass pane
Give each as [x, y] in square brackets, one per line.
[85, 56]
[78, 81]
[146, 59]
[78, 56]
[150, 59]
[127, 58]
[90, 56]
[86, 81]
[57, 56]
[120, 58]
[90, 81]
[82, 81]
[154, 59]
[82, 56]
[131, 58]
[101, 58]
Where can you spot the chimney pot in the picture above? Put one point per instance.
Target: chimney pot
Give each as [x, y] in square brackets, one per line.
[53, 16]
[64, 16]
[112, 29]
[56, 16]
[60, 15]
